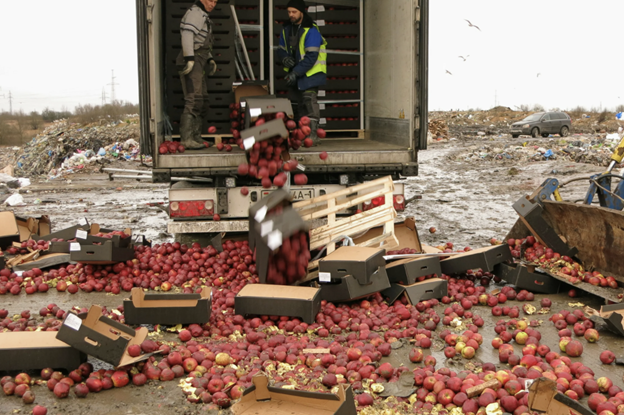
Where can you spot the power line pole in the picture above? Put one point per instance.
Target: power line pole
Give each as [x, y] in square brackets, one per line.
[103, 96]
[112, 84]
[10, 103]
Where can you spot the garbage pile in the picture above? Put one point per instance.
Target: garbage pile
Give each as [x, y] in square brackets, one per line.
[594, 150]
[438, 128]
[66, 147]
[496, 121]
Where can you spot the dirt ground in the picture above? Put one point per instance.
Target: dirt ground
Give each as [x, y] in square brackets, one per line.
[467, 202]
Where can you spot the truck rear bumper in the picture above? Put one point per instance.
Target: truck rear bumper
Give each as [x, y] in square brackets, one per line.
[209, 226]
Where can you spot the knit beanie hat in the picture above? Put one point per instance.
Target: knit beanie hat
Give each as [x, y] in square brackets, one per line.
[297, 4]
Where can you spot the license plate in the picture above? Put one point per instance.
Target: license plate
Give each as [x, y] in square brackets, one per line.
[302, 194]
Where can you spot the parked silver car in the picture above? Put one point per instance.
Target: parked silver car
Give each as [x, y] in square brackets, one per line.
[544, 124]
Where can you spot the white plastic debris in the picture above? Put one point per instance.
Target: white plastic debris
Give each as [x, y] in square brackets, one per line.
[15, 200]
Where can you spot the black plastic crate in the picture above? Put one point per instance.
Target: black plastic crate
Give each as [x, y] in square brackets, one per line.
[341, 125]
[344, 43]
[338, 94]
[336, 16]
[340, 110]
[343, 71]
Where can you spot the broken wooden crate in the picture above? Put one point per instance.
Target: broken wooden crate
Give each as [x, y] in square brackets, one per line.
[377, 192]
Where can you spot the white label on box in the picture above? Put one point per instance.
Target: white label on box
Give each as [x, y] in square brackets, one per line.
[301, 167]
[312, 9]
[320, 22]
[274, 240]
[321, 93]
[528, 383]
[80, 234]
[320, 8]
[243, 104]
[74, 247]
[322, 106]
[261, 214]
[19, 273]
[83, 222]
[249, 142]
[323, 121]
[266, 227]
[254, 112]
[325, 276]
[73, 321]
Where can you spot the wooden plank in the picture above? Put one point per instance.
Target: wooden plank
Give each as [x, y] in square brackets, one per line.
[477, 390]
[347, 191]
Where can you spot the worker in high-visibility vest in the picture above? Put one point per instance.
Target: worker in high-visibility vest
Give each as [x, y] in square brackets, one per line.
[302, 51]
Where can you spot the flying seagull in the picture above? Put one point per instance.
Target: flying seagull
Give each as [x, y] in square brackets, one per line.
[467, 56]
[471, 25]
[539, 74]
[447, 71]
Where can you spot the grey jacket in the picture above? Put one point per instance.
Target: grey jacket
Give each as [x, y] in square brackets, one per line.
[196, 30]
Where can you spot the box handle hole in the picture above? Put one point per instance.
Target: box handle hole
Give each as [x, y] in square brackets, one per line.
[536, 282]
[91, 342]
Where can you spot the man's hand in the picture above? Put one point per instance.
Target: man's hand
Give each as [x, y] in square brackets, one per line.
[212, 67]
[291, 78]
[188, 68]
[288, 62]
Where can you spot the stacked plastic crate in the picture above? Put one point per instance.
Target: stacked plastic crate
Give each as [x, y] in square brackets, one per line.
[341, 98]
[224, 52]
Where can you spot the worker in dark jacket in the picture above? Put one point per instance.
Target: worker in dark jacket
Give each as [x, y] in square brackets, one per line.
[302, 51]
[194, 62]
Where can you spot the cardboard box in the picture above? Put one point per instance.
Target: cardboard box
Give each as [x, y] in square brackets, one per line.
[34, 350]
[545, 398]
[68, 233]
[168, 309]
[27, 227]
[483, 258]
[405, 232]
[253, 135]
[420, 291]
[9, 231]
[523, 278]
[262, 399]
[348, 288]
[118, 241]
[531, 214]
[259, 211]
[249, 89]
[44, 261]
[270, 233]
[408, 271]
[261, 106]
[101, 337]
[360, 262]
[104, 254]
[613, 316]
[279, 300]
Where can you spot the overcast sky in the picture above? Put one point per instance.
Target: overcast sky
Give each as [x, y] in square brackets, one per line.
[60, 53]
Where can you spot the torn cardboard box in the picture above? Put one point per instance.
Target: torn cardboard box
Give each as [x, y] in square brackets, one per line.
[276, 200]
[481, 258]
[420, 291]
[248, 89]
[409, 271]
[9, 231]
[255, 107]
[168, 309]
[34, 350]
[43, 262]
[613, 316]
[69, 233]
[101, 337]
[405, 232]
[348, 288]
[545, 398]
[279, 300]
[262, 399]
[357, 261]
[104, 254]
[523, 278]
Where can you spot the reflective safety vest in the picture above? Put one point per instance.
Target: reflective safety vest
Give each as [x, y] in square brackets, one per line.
[321, 63]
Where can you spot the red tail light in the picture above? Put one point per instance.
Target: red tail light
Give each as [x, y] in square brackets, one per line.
[191, 208]
[399, 202]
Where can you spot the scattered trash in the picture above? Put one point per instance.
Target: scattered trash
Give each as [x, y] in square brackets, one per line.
[15, 200]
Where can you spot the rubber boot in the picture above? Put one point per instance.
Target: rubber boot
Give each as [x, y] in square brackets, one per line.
[316, 141]
[197, 136]
[187, 128]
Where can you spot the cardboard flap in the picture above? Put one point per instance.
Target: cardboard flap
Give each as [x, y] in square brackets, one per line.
[31, 340]
[262, 392]
[544, 397]
[142, 300]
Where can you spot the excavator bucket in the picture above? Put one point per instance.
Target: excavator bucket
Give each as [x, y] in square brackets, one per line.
[596, 233]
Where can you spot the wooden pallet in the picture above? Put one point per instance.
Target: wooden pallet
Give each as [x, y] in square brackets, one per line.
[327, 206]
[218, 138]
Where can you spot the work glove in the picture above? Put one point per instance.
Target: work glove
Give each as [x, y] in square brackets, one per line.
[188, 68]
[212, 67]
[288, 62]
[291, 78]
